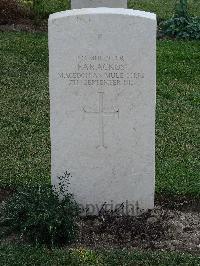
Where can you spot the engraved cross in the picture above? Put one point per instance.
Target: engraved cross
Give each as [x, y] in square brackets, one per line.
[101, 113]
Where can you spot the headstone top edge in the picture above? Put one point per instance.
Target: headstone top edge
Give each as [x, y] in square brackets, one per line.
[102, 10]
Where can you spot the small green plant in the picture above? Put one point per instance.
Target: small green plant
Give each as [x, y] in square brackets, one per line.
[181, 9]
[42, 214]
[182, 25]
[41, 9]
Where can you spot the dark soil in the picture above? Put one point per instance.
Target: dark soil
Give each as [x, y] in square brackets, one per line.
[10, 11]
[5, 194]
[173, 225]
[25, 25]
[161, 229]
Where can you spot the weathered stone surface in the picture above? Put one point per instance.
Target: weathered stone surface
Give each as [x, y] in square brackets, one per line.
[98, 3]
[102, 94]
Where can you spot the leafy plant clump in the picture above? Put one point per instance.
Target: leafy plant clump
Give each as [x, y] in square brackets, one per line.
[42, 214]
[182, 25]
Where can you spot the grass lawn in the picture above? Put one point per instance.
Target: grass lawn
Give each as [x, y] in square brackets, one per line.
[26, 255]
[24, 109]
[164, 8]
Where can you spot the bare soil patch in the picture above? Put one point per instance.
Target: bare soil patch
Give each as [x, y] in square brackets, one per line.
[25, 25]
[173, 225]
[162, 229]
[5, 194]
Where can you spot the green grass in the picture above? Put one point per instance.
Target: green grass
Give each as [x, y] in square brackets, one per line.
[24, 108]
[52, 6]
[164, 8]
[26, 255]
[43, 8]
[178, 123]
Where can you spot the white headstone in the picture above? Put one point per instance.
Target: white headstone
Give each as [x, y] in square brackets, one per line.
[98, 3]
[102, 101]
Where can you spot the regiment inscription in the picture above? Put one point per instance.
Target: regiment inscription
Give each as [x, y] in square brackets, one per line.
[101, 71]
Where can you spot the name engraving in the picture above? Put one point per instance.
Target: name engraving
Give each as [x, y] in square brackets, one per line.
[101, 71]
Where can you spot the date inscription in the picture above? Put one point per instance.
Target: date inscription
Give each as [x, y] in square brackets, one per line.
[101, 71]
